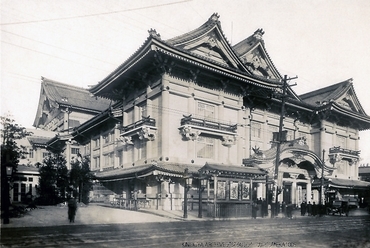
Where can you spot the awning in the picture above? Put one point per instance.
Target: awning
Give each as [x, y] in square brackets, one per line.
[232, 170]
[141, 171]
[348, 183]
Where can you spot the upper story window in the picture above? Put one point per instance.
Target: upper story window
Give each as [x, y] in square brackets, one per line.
[97, 143]
[256, 130]
[45, 154]
[30, 153]
[87, 149]
[96, 162]
[206, 111]
[108, 160]
[108, 138]
[341, 141]
[75, 150]
[205, 147]
[143, 111]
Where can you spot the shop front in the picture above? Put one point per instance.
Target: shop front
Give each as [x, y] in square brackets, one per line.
[230, 189]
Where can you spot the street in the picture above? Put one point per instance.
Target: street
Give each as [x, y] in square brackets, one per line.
[326, 231]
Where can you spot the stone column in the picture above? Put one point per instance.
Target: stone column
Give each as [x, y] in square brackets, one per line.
[166, 203]
[308, 192]
[165, 115]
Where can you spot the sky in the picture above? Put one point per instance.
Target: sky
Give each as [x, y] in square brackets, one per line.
[79, 42]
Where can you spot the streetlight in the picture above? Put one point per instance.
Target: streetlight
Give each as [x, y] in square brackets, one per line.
[188, 182]
[9, 172]
[202, 186]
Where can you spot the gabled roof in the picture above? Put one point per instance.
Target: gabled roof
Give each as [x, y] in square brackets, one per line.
[340, 97]
[209, 42]
[205, 48]
[252, 52]
[55, 94]
[38, 141]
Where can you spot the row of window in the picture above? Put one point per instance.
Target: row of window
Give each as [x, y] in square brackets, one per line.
[23, 179]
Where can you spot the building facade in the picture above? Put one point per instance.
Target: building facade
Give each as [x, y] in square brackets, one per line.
[61, 109]
[196, 107]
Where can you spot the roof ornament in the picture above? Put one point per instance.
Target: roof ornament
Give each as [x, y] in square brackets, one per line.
[258, 33]
[153, 33]
[214, 17]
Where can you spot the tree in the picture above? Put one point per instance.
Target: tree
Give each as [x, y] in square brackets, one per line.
[10, 155]
[81, 178]
[54, 181]
[10, 133]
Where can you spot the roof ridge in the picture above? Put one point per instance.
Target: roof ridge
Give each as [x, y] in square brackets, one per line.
[324, 89]
[209, 24]
[65, 85]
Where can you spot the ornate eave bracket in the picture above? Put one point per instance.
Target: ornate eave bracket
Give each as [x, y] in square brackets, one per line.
[126, 140]
[146, 133]
[336, 157]
[228, 140]
[189, 133]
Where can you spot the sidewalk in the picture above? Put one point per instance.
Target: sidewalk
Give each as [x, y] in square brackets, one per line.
[86, 215]
[106, 214]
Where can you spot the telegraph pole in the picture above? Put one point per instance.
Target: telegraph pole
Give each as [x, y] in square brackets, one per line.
[279, 140]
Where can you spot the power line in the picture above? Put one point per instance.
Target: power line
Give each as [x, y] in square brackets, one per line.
[58, 47]
[95, 14]
[26, 48]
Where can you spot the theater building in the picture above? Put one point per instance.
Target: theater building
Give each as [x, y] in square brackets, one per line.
[195, 119]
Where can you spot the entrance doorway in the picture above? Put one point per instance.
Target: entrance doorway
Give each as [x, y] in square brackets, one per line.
[287, 193]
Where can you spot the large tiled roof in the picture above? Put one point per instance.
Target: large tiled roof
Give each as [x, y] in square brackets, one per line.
[73, 96]
[37, 140]
[326, 94]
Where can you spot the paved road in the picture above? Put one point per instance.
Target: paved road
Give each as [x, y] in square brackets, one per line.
[327, 231]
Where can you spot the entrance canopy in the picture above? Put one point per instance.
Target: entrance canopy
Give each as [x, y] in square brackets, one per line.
[341, 183]
[232, 171]
[141, 171]
[347, 183]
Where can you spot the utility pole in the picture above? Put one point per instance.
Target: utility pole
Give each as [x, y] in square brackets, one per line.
[322, 180]
[279, 140]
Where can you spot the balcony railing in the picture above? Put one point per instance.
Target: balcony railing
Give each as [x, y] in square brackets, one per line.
[338, 149]
[189, 120]
[146, 121]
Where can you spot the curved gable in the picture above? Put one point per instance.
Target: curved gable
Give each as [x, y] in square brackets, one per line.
[209, 42]
[253, 54]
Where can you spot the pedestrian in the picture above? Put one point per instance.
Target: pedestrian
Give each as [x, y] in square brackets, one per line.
[314, 209]
[254, 210]
[264, 208]
[303, 208]
[309, 208]
[283, 208]
[72, 208]
[289, 210]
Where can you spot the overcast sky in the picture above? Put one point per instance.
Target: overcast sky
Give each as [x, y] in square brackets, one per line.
[79, 42]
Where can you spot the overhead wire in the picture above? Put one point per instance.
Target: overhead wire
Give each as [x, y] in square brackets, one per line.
[54, 56]
[94, 14]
